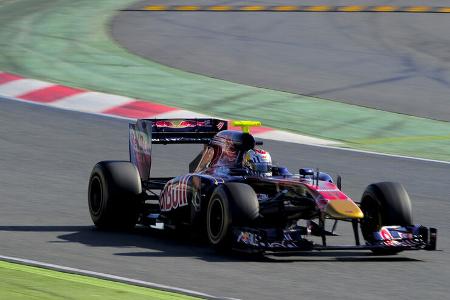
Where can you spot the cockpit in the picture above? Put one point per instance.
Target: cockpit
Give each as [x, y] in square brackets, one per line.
[233, 150]
[226, 149]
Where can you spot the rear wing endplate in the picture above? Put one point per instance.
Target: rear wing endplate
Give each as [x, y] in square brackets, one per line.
[140, 147]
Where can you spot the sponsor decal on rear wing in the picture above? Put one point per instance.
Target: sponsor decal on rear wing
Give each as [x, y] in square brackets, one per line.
[185, 131]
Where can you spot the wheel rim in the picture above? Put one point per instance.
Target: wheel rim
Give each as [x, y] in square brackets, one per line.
[216, 220]
[96, 196]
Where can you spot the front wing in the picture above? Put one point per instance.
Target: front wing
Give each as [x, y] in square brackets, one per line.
[400, 238]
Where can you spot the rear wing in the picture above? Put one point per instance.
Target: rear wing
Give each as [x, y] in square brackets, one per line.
[167, 131]
[185, 131]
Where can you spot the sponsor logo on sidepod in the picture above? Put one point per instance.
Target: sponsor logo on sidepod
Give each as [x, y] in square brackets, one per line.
[174, 195]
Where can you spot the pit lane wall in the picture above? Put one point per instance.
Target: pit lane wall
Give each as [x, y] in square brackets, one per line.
[59, 96]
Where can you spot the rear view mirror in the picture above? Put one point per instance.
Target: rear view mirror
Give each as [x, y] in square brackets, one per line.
[306, 172]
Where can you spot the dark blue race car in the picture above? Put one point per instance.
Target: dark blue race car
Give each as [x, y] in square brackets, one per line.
[241, 201]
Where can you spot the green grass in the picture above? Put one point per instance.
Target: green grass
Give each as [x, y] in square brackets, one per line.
[68, 42]
[25, 282]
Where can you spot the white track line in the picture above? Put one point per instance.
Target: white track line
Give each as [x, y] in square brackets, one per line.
[99, 275]
[313, 145]
[383, 154]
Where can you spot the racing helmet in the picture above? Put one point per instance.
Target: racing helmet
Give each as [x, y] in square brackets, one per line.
[258, 162]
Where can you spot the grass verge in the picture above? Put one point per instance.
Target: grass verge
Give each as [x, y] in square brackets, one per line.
[25, 282]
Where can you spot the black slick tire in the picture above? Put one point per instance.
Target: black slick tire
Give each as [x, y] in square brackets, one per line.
[113, 193]
[230, 204]
[384, 204]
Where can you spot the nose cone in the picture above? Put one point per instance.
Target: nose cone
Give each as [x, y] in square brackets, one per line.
[343, 209]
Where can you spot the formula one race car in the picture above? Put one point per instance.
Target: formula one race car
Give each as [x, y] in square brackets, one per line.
[241, 201]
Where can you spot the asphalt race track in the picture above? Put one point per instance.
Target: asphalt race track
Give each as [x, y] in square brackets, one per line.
[391, 61]
[46, 158]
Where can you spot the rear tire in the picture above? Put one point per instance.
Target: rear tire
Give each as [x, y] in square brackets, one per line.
[114, 189]
[384, 204]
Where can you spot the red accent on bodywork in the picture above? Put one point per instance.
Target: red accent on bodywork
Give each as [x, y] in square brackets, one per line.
[139, 109]
[260, 151]
[184, 124]
[386, 235]
[179, 123]
[51, 94]
[163, 124]
[328, 191]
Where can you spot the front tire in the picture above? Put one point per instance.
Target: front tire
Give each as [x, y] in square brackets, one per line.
[114, 188]
[384, 204]
[231, 203]
[218, 220]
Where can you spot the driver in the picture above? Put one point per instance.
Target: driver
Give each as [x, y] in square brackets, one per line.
[258, 162]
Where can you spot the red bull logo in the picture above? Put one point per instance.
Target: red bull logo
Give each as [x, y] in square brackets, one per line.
[179, 123]
[174, 195]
